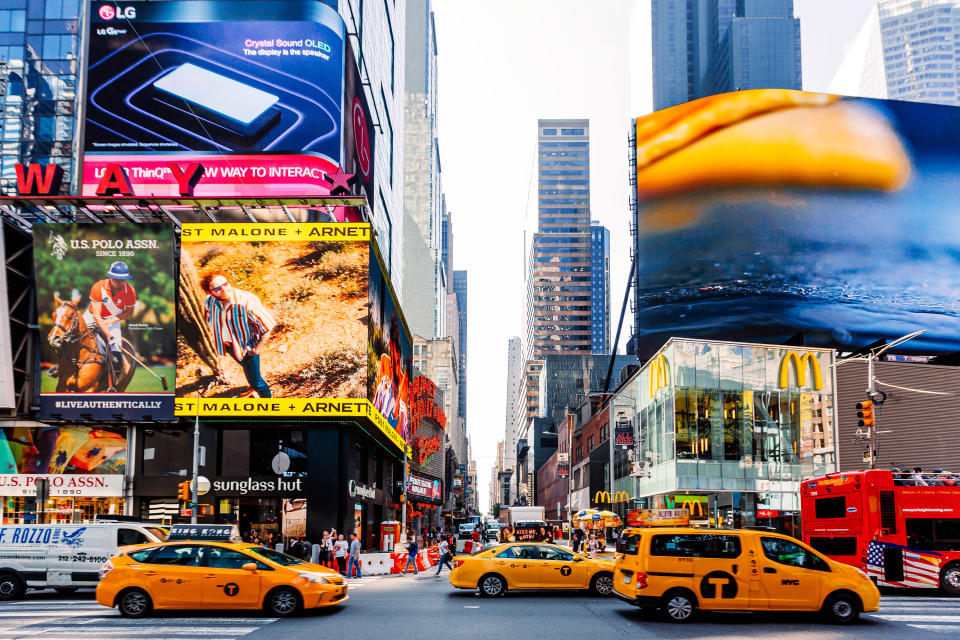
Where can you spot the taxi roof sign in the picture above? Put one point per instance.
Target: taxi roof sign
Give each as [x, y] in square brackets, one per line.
[210, 532]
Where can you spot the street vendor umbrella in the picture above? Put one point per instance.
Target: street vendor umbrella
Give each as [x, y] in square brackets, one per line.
[590, 520]
[584, 513]
[610, 519]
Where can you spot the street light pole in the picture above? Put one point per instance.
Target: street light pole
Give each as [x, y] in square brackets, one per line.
[194, 485]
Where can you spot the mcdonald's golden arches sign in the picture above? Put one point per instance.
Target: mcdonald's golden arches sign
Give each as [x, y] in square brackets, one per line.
[659, 374]
[801, 364]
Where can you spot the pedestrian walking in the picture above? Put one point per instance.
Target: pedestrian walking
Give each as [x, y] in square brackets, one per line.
[340, 553]
[306, 548]
[593, 547]
[296, 548]
[412, 550]
[331, 541]
[476, 535]
[354, 556]
[444, 550]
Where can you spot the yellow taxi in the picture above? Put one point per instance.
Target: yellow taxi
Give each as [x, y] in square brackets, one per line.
[530, 565]
[193, 574]
[683, 570]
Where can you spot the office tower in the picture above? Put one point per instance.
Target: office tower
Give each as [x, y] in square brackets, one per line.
[425, 275]
[600, 288]
[460, 290]
[703, 47]
[559, 262]
[904, 51]
[39, 73]
[514, 378]
[377, 31]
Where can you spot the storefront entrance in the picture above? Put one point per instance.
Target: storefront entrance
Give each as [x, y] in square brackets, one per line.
[20, 509]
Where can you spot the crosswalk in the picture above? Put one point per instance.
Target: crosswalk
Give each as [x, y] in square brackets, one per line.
[933, 613]
[80, 619]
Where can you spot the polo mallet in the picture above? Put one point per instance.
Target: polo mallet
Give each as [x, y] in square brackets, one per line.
[162, 379]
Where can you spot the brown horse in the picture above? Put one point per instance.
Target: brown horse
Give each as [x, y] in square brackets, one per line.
[81, 367]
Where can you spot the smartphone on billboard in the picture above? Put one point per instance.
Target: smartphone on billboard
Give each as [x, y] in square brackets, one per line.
[223, 101]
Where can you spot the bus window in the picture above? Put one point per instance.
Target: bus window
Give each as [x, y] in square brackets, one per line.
[933, 535]
[846, 546]
[835, 507]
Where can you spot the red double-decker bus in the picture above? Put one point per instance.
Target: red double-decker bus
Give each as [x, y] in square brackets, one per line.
[902, 529]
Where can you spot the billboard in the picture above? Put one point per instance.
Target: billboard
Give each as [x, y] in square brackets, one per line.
[424, 488]
[78, 461]
[250, 90]
[658, 518]
[7, 394]
[771, 215]
[275, 320]
[107, 322]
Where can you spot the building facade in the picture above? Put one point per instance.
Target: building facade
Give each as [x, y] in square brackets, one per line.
[460, 291]
[904, 51]
[730, 428]
[425, 272]
[510, 419]
[559, 277]
[703, 47]
[600, 288]
[40, 65]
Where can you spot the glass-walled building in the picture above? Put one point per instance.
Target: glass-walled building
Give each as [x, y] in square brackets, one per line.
[730, 429]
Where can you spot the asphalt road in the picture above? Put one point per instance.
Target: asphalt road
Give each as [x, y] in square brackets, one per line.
[427, 607]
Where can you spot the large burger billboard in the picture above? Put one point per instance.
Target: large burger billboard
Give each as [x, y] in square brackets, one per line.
[252, 91]
[290, 320]
[772, 215]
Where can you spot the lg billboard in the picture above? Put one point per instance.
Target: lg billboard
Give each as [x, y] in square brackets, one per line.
[253, 91]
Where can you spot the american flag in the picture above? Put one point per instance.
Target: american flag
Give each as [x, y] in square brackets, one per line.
[920, 568]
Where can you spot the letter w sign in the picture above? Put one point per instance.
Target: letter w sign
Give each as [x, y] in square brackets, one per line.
[39, 179]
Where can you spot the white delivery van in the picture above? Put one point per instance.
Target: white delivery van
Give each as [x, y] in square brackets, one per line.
[64, 557]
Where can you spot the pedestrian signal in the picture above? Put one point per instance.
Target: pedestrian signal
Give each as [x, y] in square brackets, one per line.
[183, 490]
[865, 414]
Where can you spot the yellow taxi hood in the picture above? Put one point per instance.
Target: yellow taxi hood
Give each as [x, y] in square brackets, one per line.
[768, 137]
[313, 568]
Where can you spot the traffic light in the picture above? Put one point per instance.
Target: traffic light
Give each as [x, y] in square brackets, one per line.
[184, 490]
[865, 413]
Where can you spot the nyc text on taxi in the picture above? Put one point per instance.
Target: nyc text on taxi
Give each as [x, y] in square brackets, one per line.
[214, 575]
[530, 566]
[681, 570]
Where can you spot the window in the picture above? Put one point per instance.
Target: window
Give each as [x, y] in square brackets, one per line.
[393, 49]
[281, 559]
[131, 536]
[590, 443]
[184, 555]
[220, 558]
[571, 132]
[510, 552]
[846, 546]
[791, 554]
[549, 132]
[386, 113]
[830, 507]
[553, 553]
[696, 546]
[629, 544]
[141, 555]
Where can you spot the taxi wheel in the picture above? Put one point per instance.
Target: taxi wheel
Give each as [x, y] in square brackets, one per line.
[282, 602]
[842, 608]
[679, 605]
[602, 584]
[950, 580]
[11, 587]
[492, 586]
[134, 603]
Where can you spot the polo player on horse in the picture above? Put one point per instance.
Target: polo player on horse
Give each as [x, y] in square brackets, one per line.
[112, 301]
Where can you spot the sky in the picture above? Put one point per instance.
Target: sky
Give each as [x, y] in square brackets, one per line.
[503, 64]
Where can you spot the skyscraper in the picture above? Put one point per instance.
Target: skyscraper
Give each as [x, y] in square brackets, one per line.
[599, 288]
[559, 267]
[460, 289]
[425, 277]
[904, 51]
[704, 47]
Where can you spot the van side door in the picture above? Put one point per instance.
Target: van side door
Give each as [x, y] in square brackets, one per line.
[714, 566]
[792, 576]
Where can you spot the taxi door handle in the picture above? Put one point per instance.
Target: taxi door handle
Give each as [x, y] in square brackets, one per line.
[210, 575]
[769, 570]
[734, 567]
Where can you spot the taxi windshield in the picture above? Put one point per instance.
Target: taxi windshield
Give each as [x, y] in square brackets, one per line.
[276, 557]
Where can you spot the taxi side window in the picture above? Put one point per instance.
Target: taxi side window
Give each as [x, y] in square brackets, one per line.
[141, 555]
[220, 558]
[791, 554]
[628, 543]
[181, 555]
[510, 553]
[696, 546]
[131, 536]
[550, 553]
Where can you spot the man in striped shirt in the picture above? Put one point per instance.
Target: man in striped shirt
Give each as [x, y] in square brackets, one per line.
[241, 324]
